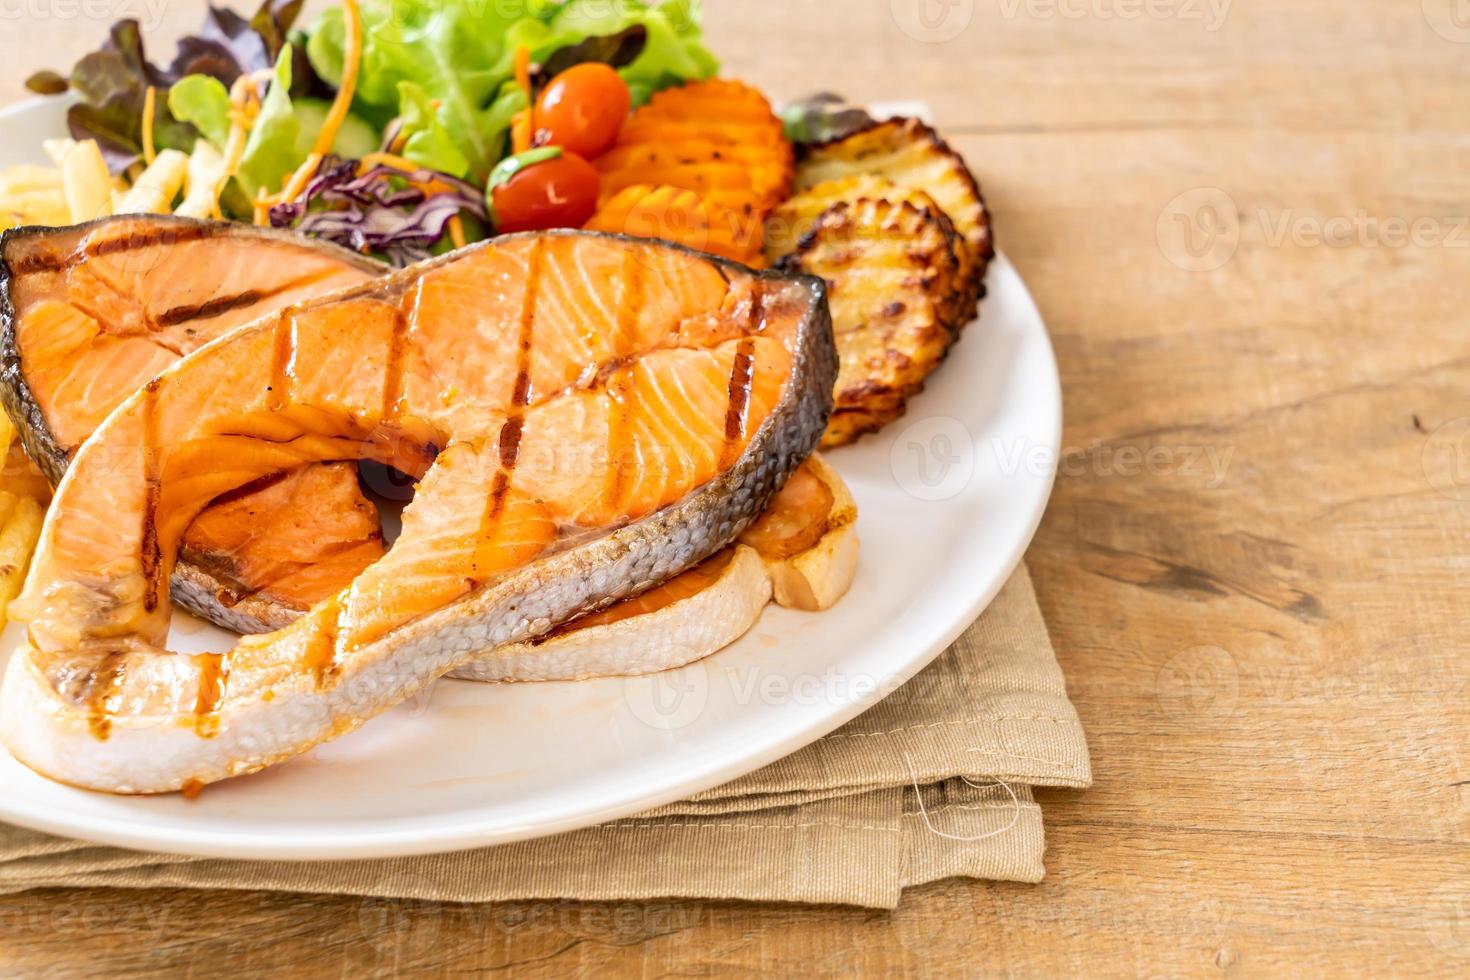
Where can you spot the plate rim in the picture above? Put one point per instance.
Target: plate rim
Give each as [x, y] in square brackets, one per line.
[461, 833]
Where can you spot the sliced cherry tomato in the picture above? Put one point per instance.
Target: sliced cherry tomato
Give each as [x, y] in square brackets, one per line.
[557, 193]
[583, 110]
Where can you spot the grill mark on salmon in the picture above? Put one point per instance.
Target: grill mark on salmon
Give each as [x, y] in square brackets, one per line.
[741, 375]
[508, 441]
[283, 352]
[619, 383]
[393, 374]
[218, 305]
[152, 550]
[517, 323]
[133, 241]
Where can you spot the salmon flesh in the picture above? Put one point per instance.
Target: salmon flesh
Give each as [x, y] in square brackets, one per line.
[588, 416]
[90, 313]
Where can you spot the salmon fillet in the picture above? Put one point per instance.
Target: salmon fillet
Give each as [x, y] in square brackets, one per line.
[589, 416]
[93, 312]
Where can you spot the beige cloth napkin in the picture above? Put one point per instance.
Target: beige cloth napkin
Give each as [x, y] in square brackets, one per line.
[933, 782]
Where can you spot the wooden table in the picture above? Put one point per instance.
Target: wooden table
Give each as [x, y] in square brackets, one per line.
[1248, 227]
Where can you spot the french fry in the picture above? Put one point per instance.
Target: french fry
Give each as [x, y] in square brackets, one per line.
[58, 149]
[19, 475]
[201, 181]
[31, 195]
[88, 185]
[155, 189]
[7, 506]
[17, 542]
[7, 434]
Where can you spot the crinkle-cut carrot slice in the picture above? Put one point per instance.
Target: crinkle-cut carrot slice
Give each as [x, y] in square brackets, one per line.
[718, 139]
[682, 217]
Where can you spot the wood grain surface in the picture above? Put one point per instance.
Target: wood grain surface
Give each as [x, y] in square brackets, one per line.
[1248, 226]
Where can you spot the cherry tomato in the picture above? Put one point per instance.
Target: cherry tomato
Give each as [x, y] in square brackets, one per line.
[583, 110]
[557, 193]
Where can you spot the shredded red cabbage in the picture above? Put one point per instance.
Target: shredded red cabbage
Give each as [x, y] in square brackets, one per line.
[378, 212]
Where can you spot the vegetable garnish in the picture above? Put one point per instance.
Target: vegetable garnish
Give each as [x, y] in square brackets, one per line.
[386, 210]
[510, 166]
[260, 109]
[822, 118]
[112, 82]
[583, 109]
[150, 107]
[555, 191]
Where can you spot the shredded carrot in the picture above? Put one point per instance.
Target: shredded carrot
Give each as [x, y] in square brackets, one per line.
[150, 106]
[341, 105]
[352, 62]
[456, 231]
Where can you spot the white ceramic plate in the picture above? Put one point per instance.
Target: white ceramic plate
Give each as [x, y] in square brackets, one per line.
[949, 498]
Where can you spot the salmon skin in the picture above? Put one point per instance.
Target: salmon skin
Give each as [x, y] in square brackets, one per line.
[90, 313]
[607, 412]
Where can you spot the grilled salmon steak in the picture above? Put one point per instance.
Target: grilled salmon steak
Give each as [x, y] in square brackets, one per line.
[591, 416]
[88, 314]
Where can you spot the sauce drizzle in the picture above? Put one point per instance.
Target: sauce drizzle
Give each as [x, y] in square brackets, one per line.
[283, 361]
[214, 673]
[102, 690]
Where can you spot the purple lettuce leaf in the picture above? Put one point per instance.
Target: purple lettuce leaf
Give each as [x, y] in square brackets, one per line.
[378, 212]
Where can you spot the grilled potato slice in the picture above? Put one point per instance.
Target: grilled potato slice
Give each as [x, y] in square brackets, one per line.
[892, 269]
[912, 155]
[795, 219]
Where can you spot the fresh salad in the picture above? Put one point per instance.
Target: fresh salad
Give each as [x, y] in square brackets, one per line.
[398, 128]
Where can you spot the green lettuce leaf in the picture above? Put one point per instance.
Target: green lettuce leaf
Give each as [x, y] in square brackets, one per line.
[203, 102]
[429, 143]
